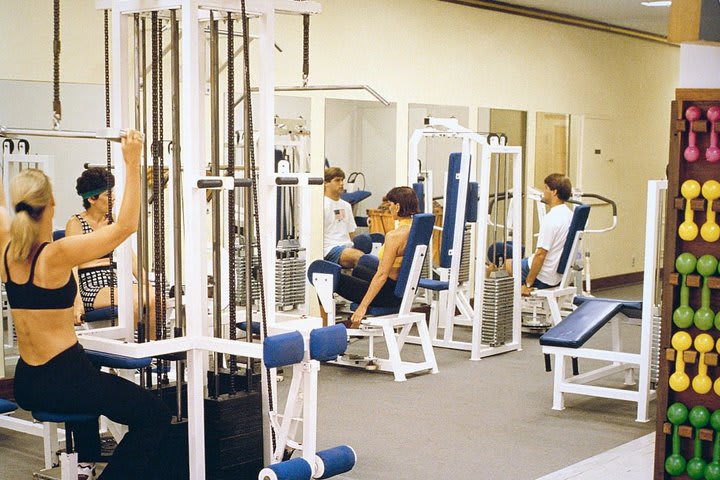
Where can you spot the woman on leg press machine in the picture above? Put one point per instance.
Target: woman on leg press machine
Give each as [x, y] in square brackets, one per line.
[368, 286]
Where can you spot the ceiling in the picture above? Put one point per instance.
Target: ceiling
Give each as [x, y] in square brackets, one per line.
[622, 13]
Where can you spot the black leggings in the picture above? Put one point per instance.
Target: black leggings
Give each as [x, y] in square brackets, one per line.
[354, 287]
[69, 383]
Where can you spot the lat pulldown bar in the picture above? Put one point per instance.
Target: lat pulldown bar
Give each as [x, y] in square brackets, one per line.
[111, 134]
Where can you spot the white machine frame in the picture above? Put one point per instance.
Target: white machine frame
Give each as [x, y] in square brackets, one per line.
[442, 315]
[620, 361]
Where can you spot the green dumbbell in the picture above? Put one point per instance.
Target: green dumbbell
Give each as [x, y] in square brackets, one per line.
[675, 463]
[712, 471]
[704, 316]
[699, 418]
[683, 315]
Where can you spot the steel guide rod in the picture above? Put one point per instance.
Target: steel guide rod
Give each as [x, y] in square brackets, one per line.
[177, 199]
[216, 211]
[138, 91]
[248, 226]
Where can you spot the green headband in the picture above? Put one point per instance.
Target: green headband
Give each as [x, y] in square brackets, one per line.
[92, 193]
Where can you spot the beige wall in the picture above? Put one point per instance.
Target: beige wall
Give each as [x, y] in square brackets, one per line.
[430, 52]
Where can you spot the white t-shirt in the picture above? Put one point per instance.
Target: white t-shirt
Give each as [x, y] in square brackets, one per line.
[339, 223]
[553, 232]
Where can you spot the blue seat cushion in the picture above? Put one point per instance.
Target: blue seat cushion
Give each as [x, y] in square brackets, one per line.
[6, 406]
[254, 327]
[581, 324]
[355, 197]
[41, 416]
[631, 308]
[104, 313]
[435, 285]
[110, 360]
[377, 311]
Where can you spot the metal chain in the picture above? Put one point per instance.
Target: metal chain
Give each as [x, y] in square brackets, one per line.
[108, 149]
[162, 299]
[250, 145]
[232, 281]
[155, 154]
[306, 48]
[57, 107]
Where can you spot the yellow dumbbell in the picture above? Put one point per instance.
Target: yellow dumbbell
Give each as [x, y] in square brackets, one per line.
[710, 231]
[702, 383]
[679, 381]
[688, 230]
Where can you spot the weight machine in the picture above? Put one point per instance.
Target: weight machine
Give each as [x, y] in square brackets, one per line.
[494, 315]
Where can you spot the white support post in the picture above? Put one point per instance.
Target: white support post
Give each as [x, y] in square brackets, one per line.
[121, 118]
[192, 145]
[653, 235]
[483, 205]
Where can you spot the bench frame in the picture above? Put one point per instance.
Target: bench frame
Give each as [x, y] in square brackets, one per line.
[619, 359]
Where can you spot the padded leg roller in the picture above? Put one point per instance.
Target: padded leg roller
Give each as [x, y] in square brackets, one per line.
[323, 266]
[363, 242]
[328, 343]
[295, 469]
[334, 461]
[283, 349]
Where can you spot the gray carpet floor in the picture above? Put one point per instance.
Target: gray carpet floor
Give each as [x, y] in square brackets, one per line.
[489, 419]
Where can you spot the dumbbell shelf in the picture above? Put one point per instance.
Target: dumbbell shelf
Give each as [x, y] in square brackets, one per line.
[692, 162]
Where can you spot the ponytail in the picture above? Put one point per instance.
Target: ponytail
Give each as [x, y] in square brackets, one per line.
[30, 192]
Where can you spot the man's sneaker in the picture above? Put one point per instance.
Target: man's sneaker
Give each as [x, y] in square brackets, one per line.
[86, 471]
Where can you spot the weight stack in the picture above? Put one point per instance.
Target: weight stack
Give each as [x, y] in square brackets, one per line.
[464, 272]
[289, 276]
[497, 309]
[233, 436]
[240, 273]
[655, 347]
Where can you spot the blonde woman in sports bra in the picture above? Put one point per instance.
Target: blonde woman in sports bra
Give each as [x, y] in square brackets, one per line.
[53, 373]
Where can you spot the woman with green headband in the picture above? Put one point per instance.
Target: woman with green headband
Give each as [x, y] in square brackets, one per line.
[97, 277]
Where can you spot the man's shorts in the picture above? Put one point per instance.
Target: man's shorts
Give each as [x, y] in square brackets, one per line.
[334, 254]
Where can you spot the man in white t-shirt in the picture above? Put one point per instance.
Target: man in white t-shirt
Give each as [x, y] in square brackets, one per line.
[540, 269]
[339, 223]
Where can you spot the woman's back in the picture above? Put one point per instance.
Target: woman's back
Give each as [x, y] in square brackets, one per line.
[41, 297]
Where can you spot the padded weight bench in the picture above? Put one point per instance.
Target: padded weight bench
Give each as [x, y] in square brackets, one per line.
[68, 459]
[49, 433]
[566, 339]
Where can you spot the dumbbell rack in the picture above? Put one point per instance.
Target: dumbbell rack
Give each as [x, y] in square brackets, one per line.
[680, 170]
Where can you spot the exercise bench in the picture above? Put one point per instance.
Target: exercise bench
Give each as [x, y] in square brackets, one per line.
[566, 339]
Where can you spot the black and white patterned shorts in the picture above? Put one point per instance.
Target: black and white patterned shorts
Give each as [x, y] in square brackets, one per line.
[92, 280]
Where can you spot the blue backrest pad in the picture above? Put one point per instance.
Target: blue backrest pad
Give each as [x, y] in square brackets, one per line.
[577, 224]
[471, 206]
[420, 192]
[450, 211]
[420, 234]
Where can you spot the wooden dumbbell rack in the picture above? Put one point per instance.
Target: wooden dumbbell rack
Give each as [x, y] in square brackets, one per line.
[680, 170]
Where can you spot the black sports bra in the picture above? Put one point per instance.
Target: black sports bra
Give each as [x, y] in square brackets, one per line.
[31, 297]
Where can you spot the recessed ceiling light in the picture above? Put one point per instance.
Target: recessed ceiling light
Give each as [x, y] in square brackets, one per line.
[657, 4]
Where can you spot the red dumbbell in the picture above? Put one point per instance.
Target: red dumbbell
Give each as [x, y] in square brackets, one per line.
[692, 152]
[712, 154]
